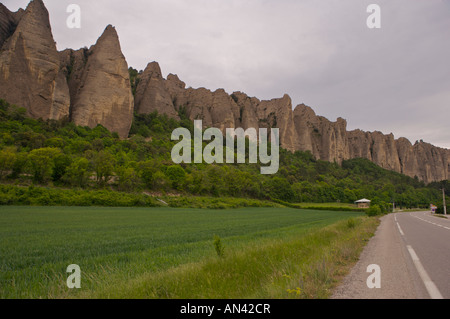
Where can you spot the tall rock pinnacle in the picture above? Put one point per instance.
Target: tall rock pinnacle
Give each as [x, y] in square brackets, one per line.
[29, 62]
[152, 95]
[103, 94]
[92, 87]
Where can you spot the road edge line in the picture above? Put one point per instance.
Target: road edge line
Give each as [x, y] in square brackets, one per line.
[433, 291]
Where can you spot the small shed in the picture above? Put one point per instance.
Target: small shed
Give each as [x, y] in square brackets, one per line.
[363, 203]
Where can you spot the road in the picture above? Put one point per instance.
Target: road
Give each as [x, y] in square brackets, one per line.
[412, 251]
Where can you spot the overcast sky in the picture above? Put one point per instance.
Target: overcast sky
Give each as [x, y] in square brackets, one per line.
[394, 79]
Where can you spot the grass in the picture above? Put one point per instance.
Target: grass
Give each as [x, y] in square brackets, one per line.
[440, 216]
[51, 196]
[216, 202]
[321, 205]
[170, 253]
[308, 266]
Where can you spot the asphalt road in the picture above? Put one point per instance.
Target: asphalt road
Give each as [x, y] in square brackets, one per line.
[412, 251]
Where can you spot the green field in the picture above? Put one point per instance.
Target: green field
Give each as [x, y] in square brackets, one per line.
[158, 252]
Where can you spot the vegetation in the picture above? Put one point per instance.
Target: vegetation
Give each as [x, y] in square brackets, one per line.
[172, 252]
[440, 209]
[60, 155]
[136, 246]
[134, 78]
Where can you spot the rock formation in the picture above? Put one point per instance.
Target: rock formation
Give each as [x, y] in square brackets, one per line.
[330, 141]
[152, 95]
[8, 22]
[31, 75]
[99, 83]
[92, 87]
[300, 129]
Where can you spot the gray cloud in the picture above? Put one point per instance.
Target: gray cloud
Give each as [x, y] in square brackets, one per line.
[321, 53]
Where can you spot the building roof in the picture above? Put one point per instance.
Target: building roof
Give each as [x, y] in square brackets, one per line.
[364, 200]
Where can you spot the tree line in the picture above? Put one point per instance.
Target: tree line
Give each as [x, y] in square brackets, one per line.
[61, 154]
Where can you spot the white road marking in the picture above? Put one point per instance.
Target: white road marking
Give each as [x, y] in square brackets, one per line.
[433, 291]
[400, 229]
[427, 221]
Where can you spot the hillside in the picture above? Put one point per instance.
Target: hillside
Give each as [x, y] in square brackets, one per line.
[93, 86]
[60, 155]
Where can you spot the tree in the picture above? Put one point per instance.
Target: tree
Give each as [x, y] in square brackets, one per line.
[160, 181]
[440, 209]
[7, 161]
[177, 175]
[20, 164]
[97, 145]
[41, 163]
[279, 188]
[103, 164]
[61, 162]
[374, 210]
[128, 179]
[147, 172]
[78, 173]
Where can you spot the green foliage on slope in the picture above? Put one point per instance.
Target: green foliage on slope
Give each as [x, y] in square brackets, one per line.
[61, 154]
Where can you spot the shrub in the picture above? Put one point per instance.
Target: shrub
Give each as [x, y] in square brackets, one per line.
[177, 175]
[42, 163]
[220, 250]
[351, 223]
[374, 210]
[440, 210]
[14, 195]
[7, 161]
[279, 188]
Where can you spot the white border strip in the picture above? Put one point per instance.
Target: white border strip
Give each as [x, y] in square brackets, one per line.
[400, 229]
[427, 221]
[433, 291]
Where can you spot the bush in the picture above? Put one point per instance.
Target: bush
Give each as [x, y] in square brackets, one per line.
[14, 195]
[7, 161]
[351, 223]
[440, 209]
[177, 175]
[42, 163]
[220, 250]
[279, 188]
[374, 210]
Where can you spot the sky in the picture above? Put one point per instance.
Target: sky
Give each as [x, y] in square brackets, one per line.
[395, 79]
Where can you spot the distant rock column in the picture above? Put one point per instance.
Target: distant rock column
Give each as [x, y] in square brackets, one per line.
[31, 76]
[103, 90]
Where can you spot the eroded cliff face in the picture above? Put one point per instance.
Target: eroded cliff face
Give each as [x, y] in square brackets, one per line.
[31, 74]
[330, 141]
[324, 139]
[99, 84]
[8, 22]
[152, 94]
[92, 87]
[222, 110]
[300, 128]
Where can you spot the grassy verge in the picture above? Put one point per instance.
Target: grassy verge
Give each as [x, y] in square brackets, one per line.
[407, 210]
[300, 266]
[119, 249]
[341, 207]
[49, 196]
[216, 202]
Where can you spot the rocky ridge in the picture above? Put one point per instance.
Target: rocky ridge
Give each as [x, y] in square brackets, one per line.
[99, 85]
[31, 75]
[301, 129]
[92, 87]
